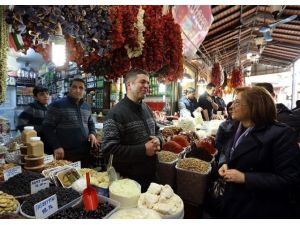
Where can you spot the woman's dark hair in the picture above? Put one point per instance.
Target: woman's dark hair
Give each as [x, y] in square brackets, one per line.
[262, 109]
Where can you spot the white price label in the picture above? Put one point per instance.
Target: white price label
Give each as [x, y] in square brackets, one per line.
[76, 165]
[11, 172]
[39, 184]
[45, 208]
[48, 159]
[2, 161]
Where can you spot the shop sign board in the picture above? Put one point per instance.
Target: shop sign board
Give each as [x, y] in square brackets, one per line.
[195, 21]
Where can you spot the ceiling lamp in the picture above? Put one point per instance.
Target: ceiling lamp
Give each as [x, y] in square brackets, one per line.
[58, 48]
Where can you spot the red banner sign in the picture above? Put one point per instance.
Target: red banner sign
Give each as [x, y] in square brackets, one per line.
[195, 21]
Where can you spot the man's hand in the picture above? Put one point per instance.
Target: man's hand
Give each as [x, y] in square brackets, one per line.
[93, 140]
[59, 153]
[152, 146]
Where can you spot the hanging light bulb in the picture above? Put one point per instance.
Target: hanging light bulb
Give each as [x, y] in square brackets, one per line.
[58, 48]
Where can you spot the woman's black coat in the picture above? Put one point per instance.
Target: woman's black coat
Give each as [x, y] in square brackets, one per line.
[270, 158]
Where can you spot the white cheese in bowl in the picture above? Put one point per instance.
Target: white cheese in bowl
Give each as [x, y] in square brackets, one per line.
[125, 191]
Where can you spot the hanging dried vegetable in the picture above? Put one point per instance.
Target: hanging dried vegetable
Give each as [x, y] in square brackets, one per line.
[3, 53]
[216, 74]
[152, 58]
[237, 78]
[173, 58]
[139, 26]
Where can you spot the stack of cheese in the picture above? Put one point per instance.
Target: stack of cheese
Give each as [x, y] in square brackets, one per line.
[163, 200]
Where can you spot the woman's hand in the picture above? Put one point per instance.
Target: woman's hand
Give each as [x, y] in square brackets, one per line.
[235, 176]
[223, 170]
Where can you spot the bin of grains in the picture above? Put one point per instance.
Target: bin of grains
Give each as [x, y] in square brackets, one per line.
[191, 179]
[166, 168]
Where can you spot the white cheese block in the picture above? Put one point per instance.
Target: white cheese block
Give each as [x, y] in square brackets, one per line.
[125, 191]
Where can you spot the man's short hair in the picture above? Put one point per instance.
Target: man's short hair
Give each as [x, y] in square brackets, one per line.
[209, 86]
[39, 89]
[77, 79]
[267, 86]
[131, 75]
[298, 103]
[190, 90]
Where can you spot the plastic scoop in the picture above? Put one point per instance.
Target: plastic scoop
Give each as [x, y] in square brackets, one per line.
[112, 174]
[89, 196]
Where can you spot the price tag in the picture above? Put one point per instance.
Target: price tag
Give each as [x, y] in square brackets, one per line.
[76, 165]
[39, 184]
[11, 172]
[48, 159]
[45, 208]
[2, 161]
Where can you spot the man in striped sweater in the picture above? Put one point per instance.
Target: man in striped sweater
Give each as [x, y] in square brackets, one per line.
[68, 126]
[131, 133]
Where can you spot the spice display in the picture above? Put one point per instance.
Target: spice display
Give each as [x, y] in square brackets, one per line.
[199, 153]
[19, 184]
[207, 144]
[64, 196]
[166, 156]
[162, 199]
[172, 146]
[182, 140]
[190, 136]
[193, 164]
[8, 204]
[79, 213]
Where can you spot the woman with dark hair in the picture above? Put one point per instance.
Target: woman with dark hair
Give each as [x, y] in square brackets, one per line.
[261, 163]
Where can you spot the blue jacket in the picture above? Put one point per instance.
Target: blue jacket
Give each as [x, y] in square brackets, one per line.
[270, 159]
[68, 125]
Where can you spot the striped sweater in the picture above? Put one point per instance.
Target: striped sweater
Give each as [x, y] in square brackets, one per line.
[33, 115]
[68, 125]
[126, 129]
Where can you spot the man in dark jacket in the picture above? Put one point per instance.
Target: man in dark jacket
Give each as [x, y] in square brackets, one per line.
[34, 113]
[131, 133]
[68, 126]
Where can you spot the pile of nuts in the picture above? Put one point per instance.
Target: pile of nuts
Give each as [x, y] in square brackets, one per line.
[8, 204]
[56, 163]
[193, 164]
[166, 156]
[5, 167]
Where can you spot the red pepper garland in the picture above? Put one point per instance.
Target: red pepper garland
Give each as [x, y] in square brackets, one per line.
[129, 31]
[237, 78]
[216, 74]
[152, 58]
[172, 48]
[116, 17]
